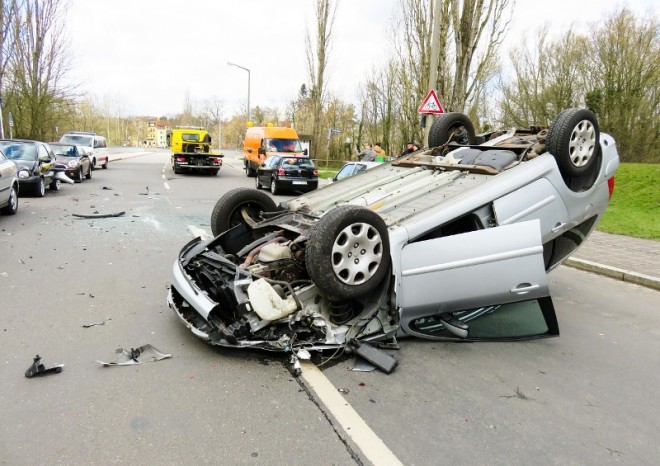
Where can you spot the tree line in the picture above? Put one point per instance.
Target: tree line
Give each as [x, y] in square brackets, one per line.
[453, 46]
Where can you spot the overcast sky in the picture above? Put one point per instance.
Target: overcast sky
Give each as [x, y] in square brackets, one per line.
[146, 55]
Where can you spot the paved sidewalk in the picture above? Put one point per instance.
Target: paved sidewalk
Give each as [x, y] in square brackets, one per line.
[622, 257]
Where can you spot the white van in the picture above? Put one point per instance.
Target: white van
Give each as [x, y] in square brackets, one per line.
[94, 146]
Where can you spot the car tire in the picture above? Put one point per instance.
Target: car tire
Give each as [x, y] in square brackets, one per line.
[452, 127]
[274, 190]
[227, 212]
[215, 172]
[89, 173]
[348, 252]
[55, 185]
[105, 165]
[573, 139]
[249, 171]
[79, 176]
[256, 182]
[40, 189]
[12, 207]
[94, 164]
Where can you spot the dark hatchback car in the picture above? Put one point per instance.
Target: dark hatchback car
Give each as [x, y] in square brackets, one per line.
[78, 165]
[281, 173]
[33, 159]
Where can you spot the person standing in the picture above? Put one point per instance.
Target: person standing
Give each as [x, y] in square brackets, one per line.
[381, 156]
[409, 149]
[367, 154]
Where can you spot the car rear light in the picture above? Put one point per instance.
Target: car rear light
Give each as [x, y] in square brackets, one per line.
[610, 186]
[216, 161]
[315, 172]
[280, 171]
[180, 159]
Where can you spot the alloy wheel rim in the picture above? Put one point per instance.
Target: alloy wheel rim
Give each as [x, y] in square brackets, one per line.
[582, 144]
[357, 253]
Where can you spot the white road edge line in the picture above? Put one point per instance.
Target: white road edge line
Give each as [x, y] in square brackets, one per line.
[201, 232]
[354, 426]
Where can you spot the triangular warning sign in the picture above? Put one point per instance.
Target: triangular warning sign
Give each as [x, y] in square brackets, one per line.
[431, 104]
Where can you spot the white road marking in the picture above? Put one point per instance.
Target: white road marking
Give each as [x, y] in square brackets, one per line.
[201, 232]
[167, 186]
[356, 428]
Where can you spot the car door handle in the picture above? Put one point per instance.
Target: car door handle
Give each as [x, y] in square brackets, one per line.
[558, 227]
[524, 288]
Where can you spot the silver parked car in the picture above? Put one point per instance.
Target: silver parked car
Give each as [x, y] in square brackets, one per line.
[452, 242]
[8, 186]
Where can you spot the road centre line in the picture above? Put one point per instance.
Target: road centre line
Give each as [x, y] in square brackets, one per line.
[357, 429]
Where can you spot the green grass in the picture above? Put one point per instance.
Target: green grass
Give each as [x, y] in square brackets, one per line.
[634, 209]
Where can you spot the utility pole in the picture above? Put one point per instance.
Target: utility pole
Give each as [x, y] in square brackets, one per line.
[435, 53]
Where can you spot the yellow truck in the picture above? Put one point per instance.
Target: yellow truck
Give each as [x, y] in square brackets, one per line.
[191, 151]
[263, 141]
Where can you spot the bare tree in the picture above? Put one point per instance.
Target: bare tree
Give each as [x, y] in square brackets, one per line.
[317, 62]
[214, 108]
[36, 91]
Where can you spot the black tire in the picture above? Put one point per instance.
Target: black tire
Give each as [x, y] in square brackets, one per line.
[249, 171]
[348, 252]
[40, 188]
[573, 139]
[12, 206]
[257, 185]
[94, 163]
[176, 169]
[452, 127]
[274, 190]
[79, 176]
[89, 173]
[227, 212]
[55, 185]
[105, 165]
[215, 172]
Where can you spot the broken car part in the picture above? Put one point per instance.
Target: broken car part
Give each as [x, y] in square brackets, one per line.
[37, 369]
[145, 353]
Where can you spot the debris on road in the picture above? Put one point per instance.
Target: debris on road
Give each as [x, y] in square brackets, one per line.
[98, 215]
[145, 353]
[94, 324]
[38, 369]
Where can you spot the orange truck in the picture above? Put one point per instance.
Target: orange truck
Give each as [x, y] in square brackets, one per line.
[264, 141]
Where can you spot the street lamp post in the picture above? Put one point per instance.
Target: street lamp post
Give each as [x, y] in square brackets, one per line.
[248, 96]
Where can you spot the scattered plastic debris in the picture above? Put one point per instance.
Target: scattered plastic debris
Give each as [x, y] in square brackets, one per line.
[94, 324]
[145, 353]
[345, 391]
[107, 188]
[37, 369]
[98, 215]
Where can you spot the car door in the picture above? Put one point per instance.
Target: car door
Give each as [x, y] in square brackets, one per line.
[473, 270]
[7, 170]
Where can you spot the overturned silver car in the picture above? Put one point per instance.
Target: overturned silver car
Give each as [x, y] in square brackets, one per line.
[452, 242]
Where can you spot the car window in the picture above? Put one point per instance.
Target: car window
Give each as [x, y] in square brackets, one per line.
[2, 157]
[18, 151]
[359, 168]
[345, 172]
[80, 140]
[43, 152]
[66, 151]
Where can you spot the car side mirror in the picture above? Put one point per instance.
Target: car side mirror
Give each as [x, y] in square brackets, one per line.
[261, 151]
[304, 151]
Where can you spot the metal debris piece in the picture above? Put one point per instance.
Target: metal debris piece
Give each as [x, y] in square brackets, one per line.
[115, 214]
[345, 391]
[93, 324]
[145, 353]
[362, 365]
[107, 188]
[37, 369]
[145, 194]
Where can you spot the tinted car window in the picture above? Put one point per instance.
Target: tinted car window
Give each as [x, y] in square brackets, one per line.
[67, 151]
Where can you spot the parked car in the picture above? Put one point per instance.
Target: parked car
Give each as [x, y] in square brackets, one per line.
[448, 243]
[282, 173]
[353, 168]
[8, 186]
[34, 160]
[78, 165]
[93, 145]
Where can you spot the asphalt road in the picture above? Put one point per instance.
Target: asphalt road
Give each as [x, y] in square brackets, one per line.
[587, 397]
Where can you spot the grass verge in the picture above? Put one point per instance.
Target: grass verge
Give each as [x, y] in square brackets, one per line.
[634, 209]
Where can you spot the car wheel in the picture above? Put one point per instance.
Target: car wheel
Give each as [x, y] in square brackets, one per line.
[105, 165]
[89, 173]
[256, 182]
[573, 139]
[40, 189]
[348, 252]
[230, 208]
[273, 187]
[55, 185]
[452, 127]
[215, 172]
[12, 206]
[250, 171]
[79, 176]
[176, 169]
[94, 164]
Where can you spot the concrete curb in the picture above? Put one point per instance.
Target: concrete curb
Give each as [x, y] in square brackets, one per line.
[613, 272]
